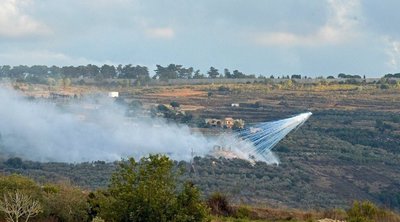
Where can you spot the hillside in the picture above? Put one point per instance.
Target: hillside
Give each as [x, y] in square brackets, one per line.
[349, 149]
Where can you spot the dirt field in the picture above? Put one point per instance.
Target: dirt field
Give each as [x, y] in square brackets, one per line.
[186, 92]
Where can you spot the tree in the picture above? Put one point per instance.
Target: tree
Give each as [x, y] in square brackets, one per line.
[18, 205]
[108, 71]
[14, 162]
[237, 74]
[15, 183]
[147, 191]
[140, 73]
[193, 209]
[213, 73]
[91, 70]
[70, 71]
[227, 73]
[175, 104]
[346, 76]
[198, 75]
[65, 82]
[185, 73]
[169, 72]
[19, 71]
[55, 71]
[219, 204]
[119, 70]
[39, 70]
[65, 203]
[5, 71]
[295, 76]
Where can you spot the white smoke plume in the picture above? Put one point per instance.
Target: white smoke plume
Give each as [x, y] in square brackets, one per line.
[98, 129]
[42, 131]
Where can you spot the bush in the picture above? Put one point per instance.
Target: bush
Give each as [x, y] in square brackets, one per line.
[14, 183]
[162, 108]
[219, 205]
[367, 212]
[65, 203]
[243, 212]
[98, 219]
[223, 89]
[384, 86]
[175, 104]
[148, 191]
[336, 214]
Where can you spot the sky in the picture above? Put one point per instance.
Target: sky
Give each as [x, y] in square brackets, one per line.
[308, 37]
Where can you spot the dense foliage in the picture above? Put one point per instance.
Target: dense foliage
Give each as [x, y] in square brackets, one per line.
[148, 191]
[44, 74]
[139, 191]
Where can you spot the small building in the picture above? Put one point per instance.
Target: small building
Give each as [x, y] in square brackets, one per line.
[214, 122]
[228, 122]
[238, 123]
[113, 94]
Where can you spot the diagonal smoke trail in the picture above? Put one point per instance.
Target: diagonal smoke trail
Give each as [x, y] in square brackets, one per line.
[265, 136]
[256, 143]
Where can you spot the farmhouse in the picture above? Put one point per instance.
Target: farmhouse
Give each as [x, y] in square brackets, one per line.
[227, 122]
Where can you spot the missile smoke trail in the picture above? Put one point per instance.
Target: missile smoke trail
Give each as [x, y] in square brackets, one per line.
[265, 136]
[256, 143]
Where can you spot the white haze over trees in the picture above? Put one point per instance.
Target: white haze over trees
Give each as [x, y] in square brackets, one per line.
[96, 128]
[42, 131]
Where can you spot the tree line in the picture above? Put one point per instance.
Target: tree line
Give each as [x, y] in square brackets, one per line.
[129, 71]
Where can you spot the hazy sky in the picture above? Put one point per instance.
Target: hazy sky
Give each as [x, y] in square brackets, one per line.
[309, 37]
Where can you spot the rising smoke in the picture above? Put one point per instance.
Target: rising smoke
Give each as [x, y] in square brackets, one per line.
[42, 131]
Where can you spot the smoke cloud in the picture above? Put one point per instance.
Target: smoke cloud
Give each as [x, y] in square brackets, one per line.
[87, 131]
[97, 128]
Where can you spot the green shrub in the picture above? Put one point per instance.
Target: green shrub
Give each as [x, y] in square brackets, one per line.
[367, 212]
[148, 191]
[65, 203]
[243, 212]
